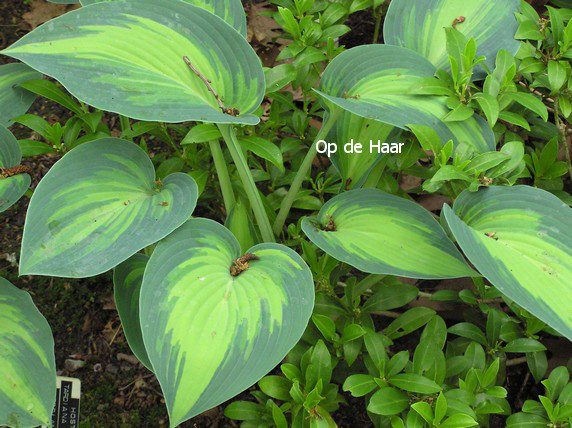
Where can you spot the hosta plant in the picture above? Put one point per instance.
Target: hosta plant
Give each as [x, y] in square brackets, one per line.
[466, 88]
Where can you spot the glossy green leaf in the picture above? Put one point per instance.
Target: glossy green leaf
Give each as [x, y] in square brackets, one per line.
[209, 334]
[127, 280]
[420, 25]
[231, 11]
[27, 362]
[15, 101]
[384, 234]
[127, 57]
[263, 148]
[520, 239]
[99, 205]
[414, 383]
[13, 187]
[378, 89]
[388, 401]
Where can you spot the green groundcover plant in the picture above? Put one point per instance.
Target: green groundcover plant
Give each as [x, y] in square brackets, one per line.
[319, 274]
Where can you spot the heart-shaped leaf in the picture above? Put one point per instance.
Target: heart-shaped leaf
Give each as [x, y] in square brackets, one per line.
[13, 183]
[520, 239]
[231, 11]
[380, 233]
[214, 322]
[27, 362]
[378, 89]
[15, 101]
[166, 61]
[99, 205]
[420, 25]
[127, 280]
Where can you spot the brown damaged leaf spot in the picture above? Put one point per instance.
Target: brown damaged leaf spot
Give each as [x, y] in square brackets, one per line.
[330, 226]
[241, 264]
[458, 21]
[15, 170]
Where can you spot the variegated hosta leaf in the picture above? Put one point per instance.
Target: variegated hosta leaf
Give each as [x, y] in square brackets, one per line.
[378, 88]
[520, 239]
[99, 205]
[354, 168]
[15, 101]
[209, 334]
[12, 187]
[27, 362]
[420, 25]
[127, 57]
[231, 11]
[127, 280]
[380, 233]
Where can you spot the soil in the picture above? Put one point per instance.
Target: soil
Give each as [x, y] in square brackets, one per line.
[117, 391]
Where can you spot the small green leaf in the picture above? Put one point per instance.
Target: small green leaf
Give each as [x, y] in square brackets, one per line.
[490, 107]
[413, 382]
[388, 401]
[389, 297]
[459, 114]
[470, 331]
[51, 91]
[424, 410]
[524, 345]
[359, 385]
[325, 325]
[202, 133]
[528, 420]
[459, 421]
[408, 322]
[557, 75]
[276, 387]
[514, 119]
[244, 411]
[530, 102]
[263, 148]
[352, 332]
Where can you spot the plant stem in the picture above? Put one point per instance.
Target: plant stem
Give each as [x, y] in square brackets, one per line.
[378, 15]
[303, 171]
[248, 182]
[516, 361]
[125, 126]
[562, 130]
[223, 176]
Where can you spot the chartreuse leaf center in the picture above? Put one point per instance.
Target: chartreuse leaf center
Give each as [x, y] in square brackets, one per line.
[519, 238]
[99, 205]
[27, 362]
[380, 233]
[214, 322]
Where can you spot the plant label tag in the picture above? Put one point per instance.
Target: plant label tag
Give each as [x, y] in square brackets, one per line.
[66, 410]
